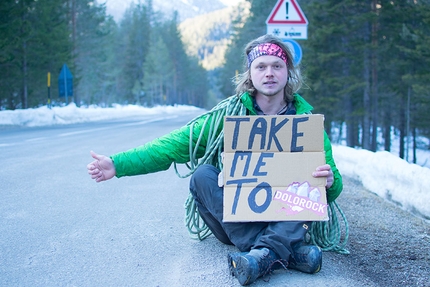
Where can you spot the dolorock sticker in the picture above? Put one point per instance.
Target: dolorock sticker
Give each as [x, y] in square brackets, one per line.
[300, 196]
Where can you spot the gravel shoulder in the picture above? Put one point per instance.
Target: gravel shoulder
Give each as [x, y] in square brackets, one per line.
[388, 246]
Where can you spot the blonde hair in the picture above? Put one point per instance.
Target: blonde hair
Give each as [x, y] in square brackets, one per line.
[244, 83]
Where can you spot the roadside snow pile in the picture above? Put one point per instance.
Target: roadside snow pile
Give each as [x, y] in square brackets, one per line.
[388, 176]
[71, 114]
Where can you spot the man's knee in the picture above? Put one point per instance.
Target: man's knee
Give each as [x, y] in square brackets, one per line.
[202, 177]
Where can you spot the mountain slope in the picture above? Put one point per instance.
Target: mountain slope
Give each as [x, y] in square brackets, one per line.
[207, 36]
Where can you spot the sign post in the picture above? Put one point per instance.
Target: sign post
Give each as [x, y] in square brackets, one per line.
[287, 21]
[49, 89]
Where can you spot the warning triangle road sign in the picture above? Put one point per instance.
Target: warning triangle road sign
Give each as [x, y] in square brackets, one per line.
[287, 12]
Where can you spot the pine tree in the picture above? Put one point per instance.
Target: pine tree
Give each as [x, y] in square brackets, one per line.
[34, 42]
[50, 48]
[333, 59]
[158, 73]
[412, 74]
[10, 75]
[178, 60]
[255, 26]
[420, 88]
[93, 63]
[135, 39]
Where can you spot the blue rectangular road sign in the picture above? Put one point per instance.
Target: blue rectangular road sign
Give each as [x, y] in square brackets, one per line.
[65, 82]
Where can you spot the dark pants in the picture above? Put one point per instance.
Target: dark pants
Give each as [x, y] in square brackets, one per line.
[277, 236]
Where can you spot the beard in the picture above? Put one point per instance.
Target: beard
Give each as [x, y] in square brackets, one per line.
[271, 93]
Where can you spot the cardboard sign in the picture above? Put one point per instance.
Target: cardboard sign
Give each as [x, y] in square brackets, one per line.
[268, 165]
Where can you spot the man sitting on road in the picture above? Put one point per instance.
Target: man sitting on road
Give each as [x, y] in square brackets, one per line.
[267, 87]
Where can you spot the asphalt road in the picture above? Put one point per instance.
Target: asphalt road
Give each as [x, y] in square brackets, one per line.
[59, 228]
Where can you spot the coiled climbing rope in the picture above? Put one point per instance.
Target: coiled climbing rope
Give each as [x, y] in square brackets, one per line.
[228, 107]
[326, 234]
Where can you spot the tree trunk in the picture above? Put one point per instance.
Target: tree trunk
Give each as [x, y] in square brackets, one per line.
[74, 49]
[408, 122]
[365, 138]
[24, 98]
[414, 150]
[387, 126]
[24, 95]
[402, 128]
[374, 87]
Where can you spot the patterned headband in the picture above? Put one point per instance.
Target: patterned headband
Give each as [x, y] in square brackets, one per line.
[267, 49]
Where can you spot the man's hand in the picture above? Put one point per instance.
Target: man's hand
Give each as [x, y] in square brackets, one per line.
[102, 168]
[221, 174]
[324, 171]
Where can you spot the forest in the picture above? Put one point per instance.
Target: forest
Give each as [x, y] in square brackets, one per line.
[366, 65]
[141, 60]
[365, 62]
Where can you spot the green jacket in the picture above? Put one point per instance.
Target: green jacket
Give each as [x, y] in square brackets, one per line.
[159, 154]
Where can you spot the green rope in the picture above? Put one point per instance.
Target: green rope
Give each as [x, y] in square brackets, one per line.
[196, 226]
[228, 107]
[326, 234]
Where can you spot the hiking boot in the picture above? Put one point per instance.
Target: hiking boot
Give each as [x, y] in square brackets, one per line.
[306, 258]
[232, 259]
[247, 267]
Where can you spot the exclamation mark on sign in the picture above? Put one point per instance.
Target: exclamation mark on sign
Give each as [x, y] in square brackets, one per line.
[286, 9]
